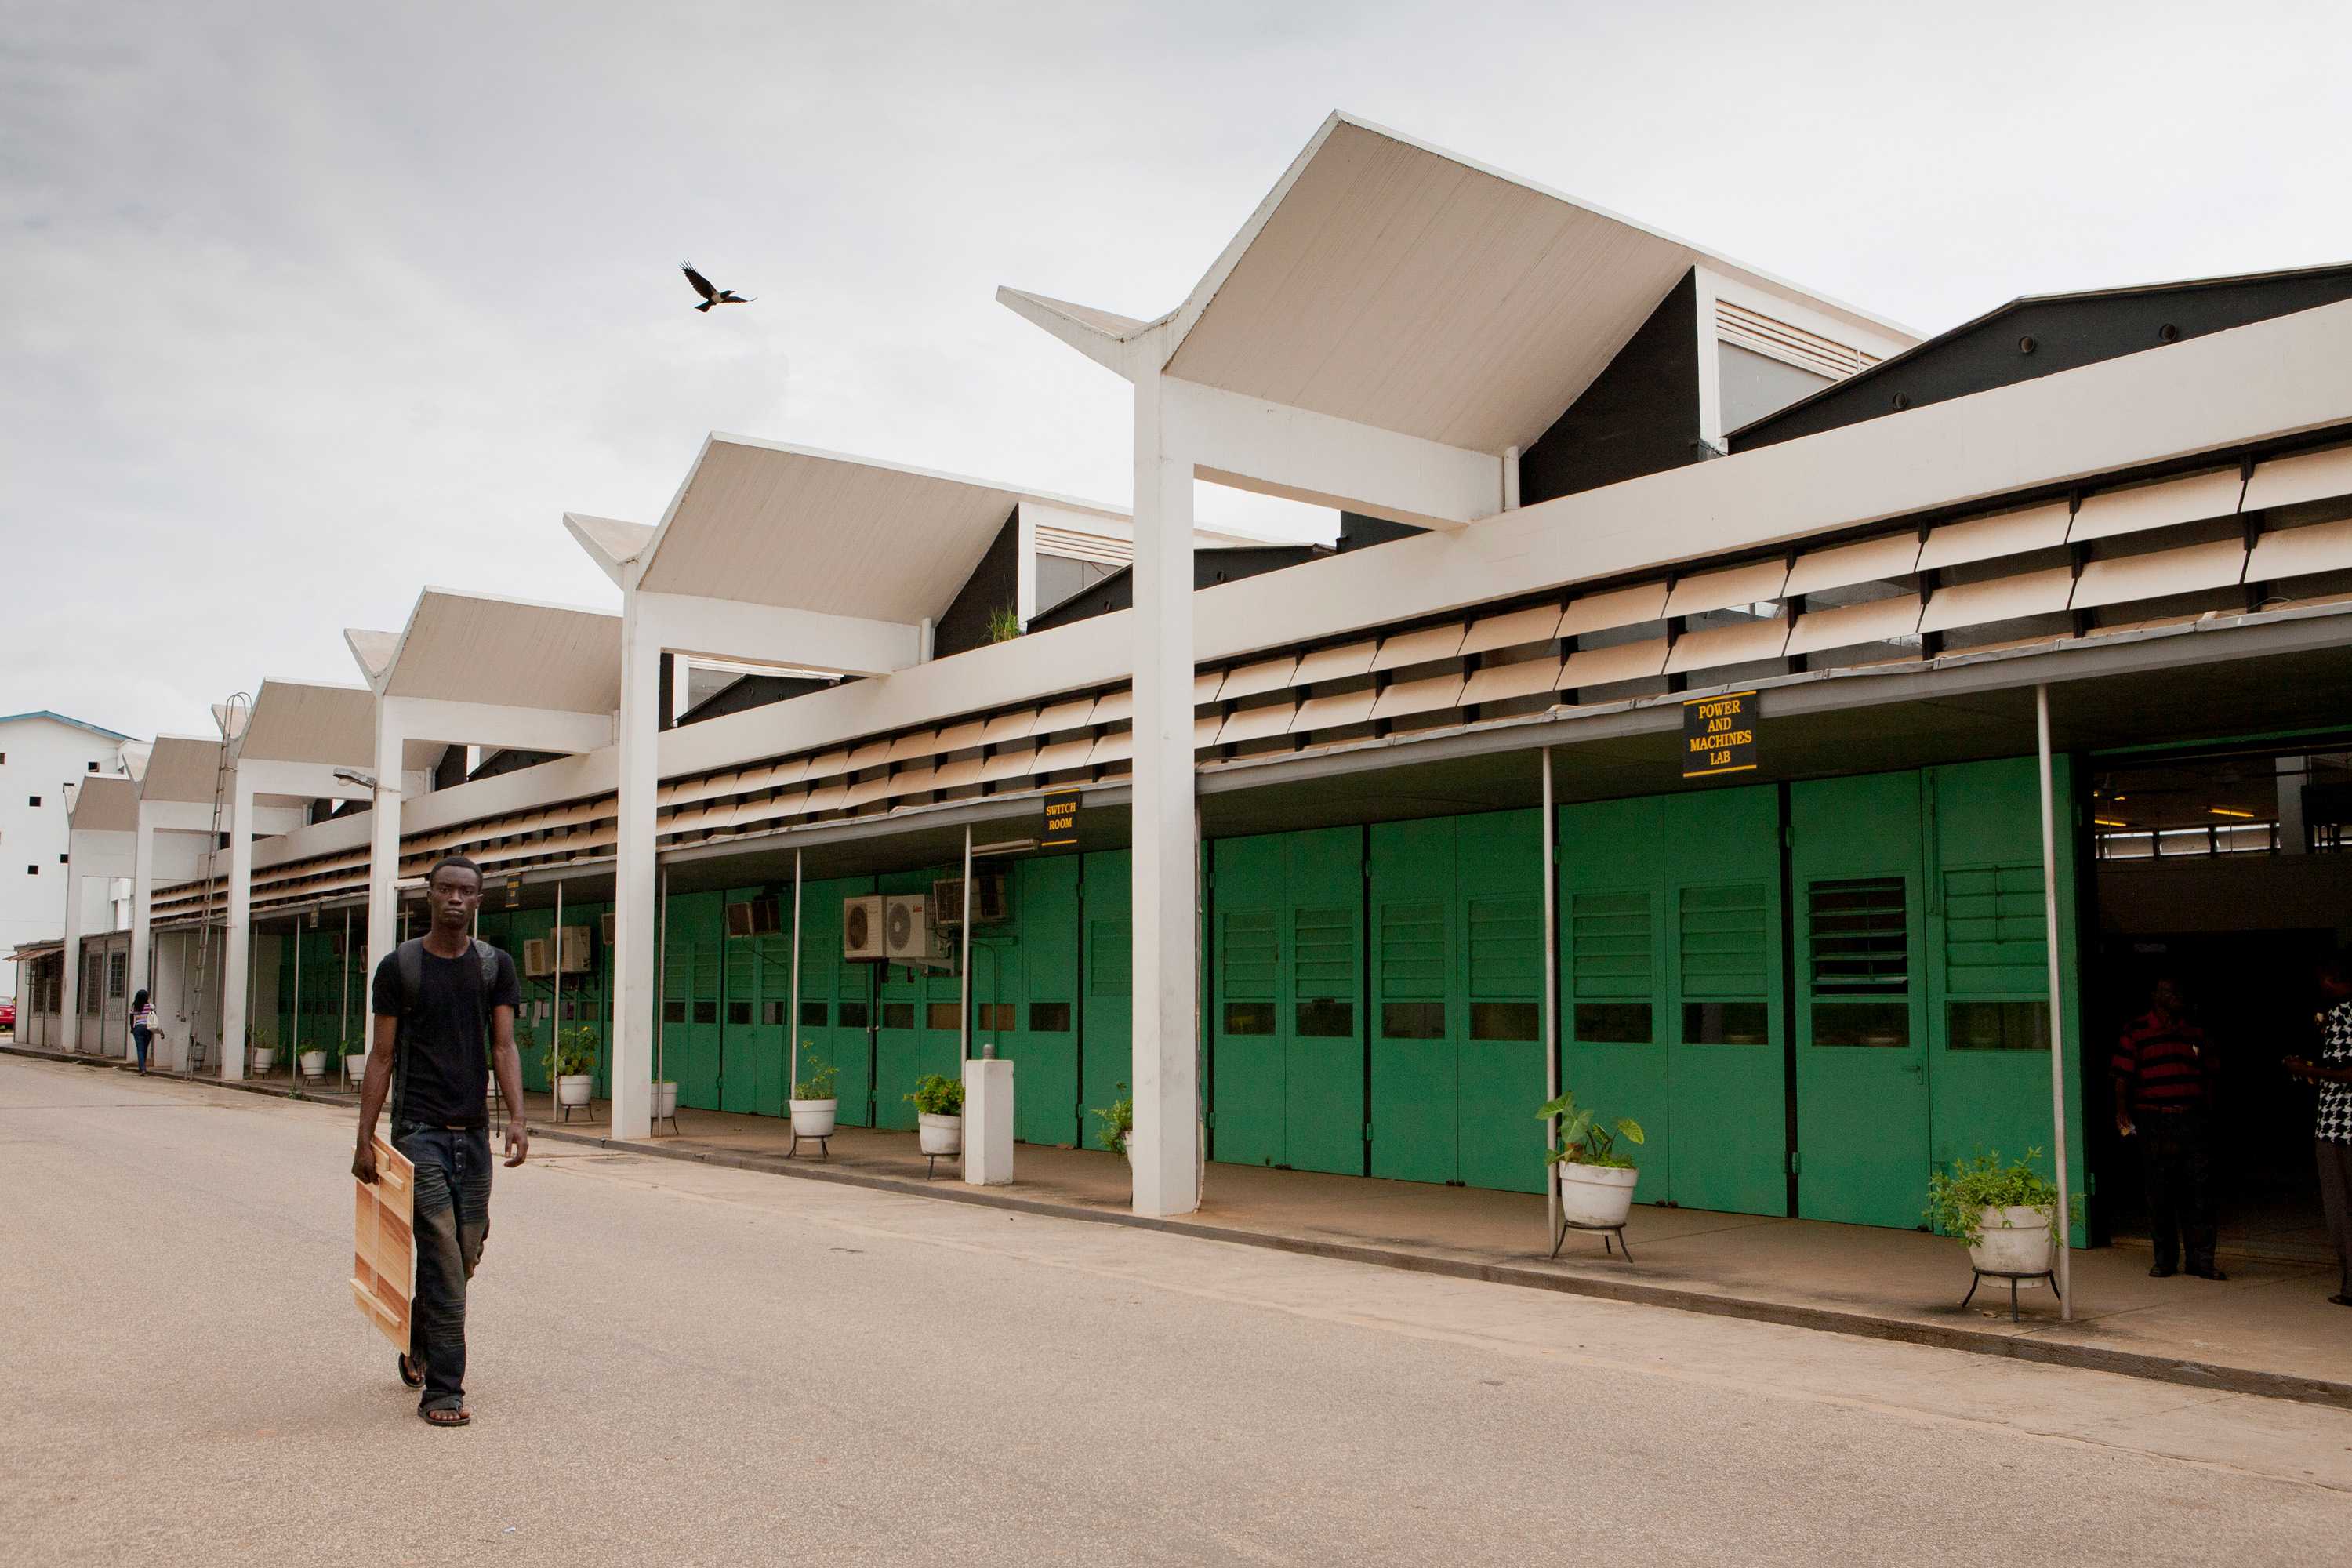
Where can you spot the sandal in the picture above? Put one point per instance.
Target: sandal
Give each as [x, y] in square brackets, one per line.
[411, 1373]
[445, 1414]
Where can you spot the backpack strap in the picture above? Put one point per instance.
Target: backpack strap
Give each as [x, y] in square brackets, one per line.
[410, 959]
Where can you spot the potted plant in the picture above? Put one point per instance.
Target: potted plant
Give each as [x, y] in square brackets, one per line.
[2003, 1214]
[1119, 1123]
[355, 1055]
[813, 1104]
[1596, 1182]
[263, 1050]
[569, 1062]
[314, 1064]
[666, 1098]
[939, 1113]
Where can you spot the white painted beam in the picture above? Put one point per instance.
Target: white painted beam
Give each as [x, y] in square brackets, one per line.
[494, 725]
[746, 633]
[1274, 450]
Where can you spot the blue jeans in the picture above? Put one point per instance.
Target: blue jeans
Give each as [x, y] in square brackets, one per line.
[139, 1038]
[452, 1221]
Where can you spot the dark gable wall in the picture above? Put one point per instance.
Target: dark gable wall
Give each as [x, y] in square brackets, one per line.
[752, 692]
[1640, 416]
[2066, 334]
[1210, 567]
[995, 585]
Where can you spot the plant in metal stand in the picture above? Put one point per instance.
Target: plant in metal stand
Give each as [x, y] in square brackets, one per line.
[1119, 1123]
[571, 1061]
[2005, 1215]
[814, 1106]
[938, 1115]
[1596, 1182]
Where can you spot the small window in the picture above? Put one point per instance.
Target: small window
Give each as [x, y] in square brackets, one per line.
[32, 800]
[813, 1015]
[1049, 1017]
[897, 1014]
[854, 1015]
[998, 1017]
[571, 1010]
[1726, 1024]
[1249, 1017]
[1862, 1024]
[1998, 1026]
[772, 1015]
[706, 1012]
[1413, 1020]
[32, 871]
[93, 767]
[64, 860]
[739, 1013]
[1613, 1023]
[1504, 1021]
[1322, 1019]
[946, 1016]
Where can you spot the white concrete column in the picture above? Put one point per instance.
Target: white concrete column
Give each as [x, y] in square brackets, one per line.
[236, 940]
[1165, 1144]
[142, 898]
[988, 1121]
[638, 763]
[383, 846]
[69, 995]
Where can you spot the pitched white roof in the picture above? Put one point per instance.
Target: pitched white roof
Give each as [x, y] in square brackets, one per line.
[515, 653]
[105, 802]
[180, 767]
[310, 722]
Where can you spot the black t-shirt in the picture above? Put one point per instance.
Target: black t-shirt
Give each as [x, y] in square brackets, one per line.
[445, 1050]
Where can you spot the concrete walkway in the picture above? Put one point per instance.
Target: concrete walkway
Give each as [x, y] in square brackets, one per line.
[2270, 1329]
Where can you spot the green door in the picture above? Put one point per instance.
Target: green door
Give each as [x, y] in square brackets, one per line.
[1245, 1043]
[1989, 1006]
[1726, 1073]
[1321, 1016]
[741, 1037]
[1416, 1012]
[1861, 1036]
[1107, 1014]
[836, 1003]
[1500, 1075]
[1044, 897]
[898, 1040]
[1613, 976]
[690, 994]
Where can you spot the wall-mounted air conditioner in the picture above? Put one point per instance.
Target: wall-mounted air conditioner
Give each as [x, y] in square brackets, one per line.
[574, 949]
[907, 928]
[988, 905]
[754, 917]
[861, 927]
[535, 962]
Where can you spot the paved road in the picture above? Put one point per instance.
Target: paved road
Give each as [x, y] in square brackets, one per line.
[681, 1364]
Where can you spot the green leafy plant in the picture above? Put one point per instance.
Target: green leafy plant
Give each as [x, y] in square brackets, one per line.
[938, 1095]
[1004, 623]
[1584, 1138]
[816, 1075]
[573, 1053]
[1119, 1120]
[1957, 1199]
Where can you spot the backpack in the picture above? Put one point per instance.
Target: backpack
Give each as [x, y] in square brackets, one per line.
[408, 960]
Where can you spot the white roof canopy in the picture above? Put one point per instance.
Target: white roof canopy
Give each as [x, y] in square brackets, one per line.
[488, 650]
[105, 802]
[310, 721]
[795, 528]
[180, 767]
[1392, 284]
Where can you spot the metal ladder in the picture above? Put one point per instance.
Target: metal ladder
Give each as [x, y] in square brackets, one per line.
[231, 724]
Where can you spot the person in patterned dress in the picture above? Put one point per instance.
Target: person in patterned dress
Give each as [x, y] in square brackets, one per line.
[2333, 1073]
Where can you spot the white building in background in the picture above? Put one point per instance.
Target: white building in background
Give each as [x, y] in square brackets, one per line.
[44, 757]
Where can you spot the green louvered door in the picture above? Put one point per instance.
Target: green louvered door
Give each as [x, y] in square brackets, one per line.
[741, 1038]
[1045, 1085]
[1248, 1060]
[1727, 1072]
[1501, 1074]
[691, 996]
[1861, 1000]
[1107, 1010]
[898, 1041]
[1612, 981]
[1416, 1003]
[1322, 1015]
[837, 999]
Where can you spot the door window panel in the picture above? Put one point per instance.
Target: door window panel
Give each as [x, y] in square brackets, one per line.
[1858, 939]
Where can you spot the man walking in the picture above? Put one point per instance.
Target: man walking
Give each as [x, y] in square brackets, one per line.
[438, 998]
[2333, 1073]
[2164, 1092]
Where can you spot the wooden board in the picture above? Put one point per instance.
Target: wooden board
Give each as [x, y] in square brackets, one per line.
[383, 1274]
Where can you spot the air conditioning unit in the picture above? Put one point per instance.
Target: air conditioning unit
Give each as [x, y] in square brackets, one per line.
[988, 907]
[754, 917]
[861, 927]
[907, 928]
[609, 922]
[574, 948]
[535, 964]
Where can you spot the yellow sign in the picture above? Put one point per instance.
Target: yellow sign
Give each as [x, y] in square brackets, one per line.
[1719, 735]
[1060, 827]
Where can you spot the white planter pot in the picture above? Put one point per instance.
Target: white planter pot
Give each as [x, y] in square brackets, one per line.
[1126, 1145]
[665, 1099]
[2016, 1241]
[355, 1067]
[314, 1064]
[264, 1058]
[940, 1135]
[574, 1089]
[1596, 1195]
[814, 1117]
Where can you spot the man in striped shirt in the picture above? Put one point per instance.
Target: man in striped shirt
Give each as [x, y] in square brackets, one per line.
[2164, 1088]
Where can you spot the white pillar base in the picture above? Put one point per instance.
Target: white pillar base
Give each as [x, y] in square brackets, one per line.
[988, 1122]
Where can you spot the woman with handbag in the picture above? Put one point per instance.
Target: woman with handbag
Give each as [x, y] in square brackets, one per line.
[142, 1027]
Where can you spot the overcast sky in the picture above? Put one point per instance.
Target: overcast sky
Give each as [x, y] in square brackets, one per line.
[303, 307]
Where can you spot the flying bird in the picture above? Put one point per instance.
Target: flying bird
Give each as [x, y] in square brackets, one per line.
[711, 296]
